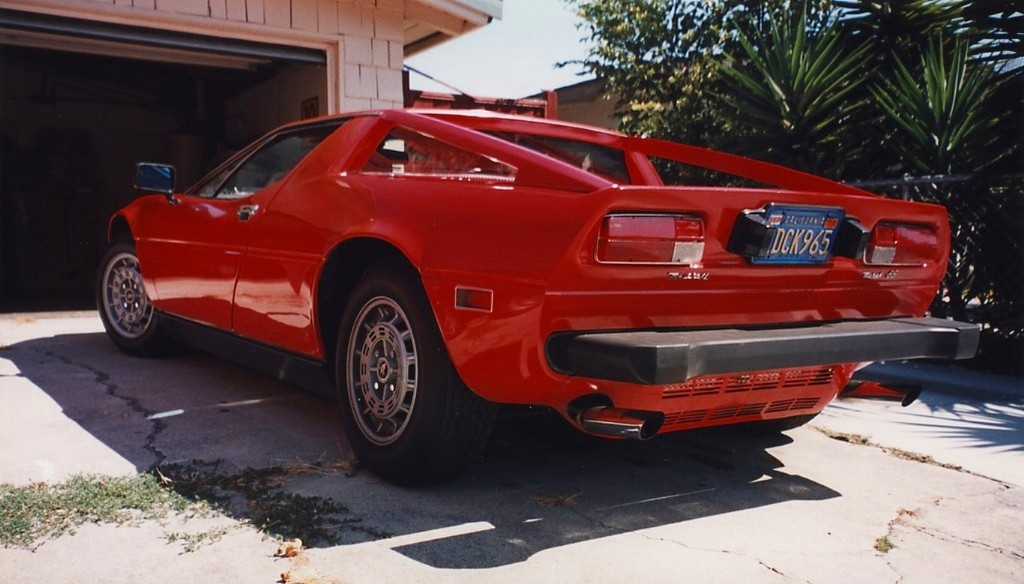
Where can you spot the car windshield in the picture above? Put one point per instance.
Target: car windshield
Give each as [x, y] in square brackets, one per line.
[604, 161]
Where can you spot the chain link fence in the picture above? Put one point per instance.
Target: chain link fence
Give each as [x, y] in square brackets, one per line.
[984, 281]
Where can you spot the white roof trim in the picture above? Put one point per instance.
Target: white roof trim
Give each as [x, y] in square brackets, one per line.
[478, 12]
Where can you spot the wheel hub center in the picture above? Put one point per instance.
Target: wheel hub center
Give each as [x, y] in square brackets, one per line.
[383, 369]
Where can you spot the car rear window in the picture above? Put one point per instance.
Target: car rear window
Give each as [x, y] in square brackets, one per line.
[604, 161]
[407, 153]
[678, 174]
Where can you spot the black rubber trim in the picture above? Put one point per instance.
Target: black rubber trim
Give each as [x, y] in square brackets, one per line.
[293, 369]
[662, 357]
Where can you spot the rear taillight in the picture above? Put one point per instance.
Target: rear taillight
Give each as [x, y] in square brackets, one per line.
[651, 239]
[898, 244]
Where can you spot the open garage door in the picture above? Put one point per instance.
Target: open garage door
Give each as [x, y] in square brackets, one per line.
[82, 102]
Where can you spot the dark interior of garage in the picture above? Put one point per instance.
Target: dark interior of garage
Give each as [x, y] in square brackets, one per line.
[72, 127]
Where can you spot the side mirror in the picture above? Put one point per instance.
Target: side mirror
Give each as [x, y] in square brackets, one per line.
[157, 178]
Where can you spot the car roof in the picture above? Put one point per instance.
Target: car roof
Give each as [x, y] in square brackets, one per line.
[494, 121]
[490, 115]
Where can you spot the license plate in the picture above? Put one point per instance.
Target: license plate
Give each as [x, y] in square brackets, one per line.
[799, 235]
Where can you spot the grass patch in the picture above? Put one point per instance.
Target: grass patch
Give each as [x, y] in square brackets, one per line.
[31, 514]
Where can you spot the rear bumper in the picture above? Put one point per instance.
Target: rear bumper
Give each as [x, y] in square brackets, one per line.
[664, 357]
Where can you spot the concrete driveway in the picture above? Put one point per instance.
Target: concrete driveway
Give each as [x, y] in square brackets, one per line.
[543, 505]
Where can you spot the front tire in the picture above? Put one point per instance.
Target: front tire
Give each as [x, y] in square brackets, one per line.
[407, 414]
[124, 307]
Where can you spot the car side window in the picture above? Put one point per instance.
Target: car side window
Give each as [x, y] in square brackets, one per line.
[408, 153]
[267, 165]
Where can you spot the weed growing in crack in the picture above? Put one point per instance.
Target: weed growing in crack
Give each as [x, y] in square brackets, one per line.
[884, 544]
[191, 542]
[897, 452]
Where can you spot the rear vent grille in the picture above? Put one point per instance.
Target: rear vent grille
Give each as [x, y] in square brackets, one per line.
[749, 382]
[807, 403]
[687, 417]
[780, 406]
[690, 417]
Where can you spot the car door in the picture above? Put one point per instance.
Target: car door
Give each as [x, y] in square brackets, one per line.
[193, 250]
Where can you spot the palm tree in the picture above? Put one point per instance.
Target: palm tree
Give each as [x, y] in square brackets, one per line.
[790, 87]
[941, 114]
[945, 123]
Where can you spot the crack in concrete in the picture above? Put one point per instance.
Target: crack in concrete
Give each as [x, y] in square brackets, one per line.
[908, 455]
[763, 564]
[950, 538]
[886, 557]
[103, 379]
[614, 529]
[760, 562]
[890, 534]
[943, 535]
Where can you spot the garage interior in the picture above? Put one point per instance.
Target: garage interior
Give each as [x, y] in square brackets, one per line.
[82, 102]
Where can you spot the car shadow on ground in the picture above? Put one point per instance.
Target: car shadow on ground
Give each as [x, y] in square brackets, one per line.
[955, 409]
[984, 424]
[539, 485]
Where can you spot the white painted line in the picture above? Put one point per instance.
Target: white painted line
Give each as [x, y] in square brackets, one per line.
[655, 499]
[252, 402]
[433, 534]
[167, 414]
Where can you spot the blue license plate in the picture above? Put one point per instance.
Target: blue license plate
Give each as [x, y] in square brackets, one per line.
[799, 235]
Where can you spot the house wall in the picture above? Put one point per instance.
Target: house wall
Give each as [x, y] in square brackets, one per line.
[599, 112]
[275, 102]
[587, 103]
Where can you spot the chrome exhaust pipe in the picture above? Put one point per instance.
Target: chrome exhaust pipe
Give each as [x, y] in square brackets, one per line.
[618, 423]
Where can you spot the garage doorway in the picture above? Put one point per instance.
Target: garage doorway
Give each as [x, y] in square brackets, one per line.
[74, 123]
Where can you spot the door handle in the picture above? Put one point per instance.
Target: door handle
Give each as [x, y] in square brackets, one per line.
[245, 212]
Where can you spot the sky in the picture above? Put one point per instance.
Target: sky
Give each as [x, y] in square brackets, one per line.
[512, 57]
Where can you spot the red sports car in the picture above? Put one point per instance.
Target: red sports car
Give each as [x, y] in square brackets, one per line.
[424, 266]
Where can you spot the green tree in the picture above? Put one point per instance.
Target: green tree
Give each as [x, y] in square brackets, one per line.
[940, 110]
[946, 123]
[657, 58]
[790, 89]
[900, 28]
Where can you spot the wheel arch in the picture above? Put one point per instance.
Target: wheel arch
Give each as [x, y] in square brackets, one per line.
[345, 265]
[119, 229]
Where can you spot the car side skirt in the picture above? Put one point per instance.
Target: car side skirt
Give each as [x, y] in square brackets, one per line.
[293, 369]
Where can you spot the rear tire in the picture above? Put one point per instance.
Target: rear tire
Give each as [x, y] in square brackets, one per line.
[407, 414]
[124, 307]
